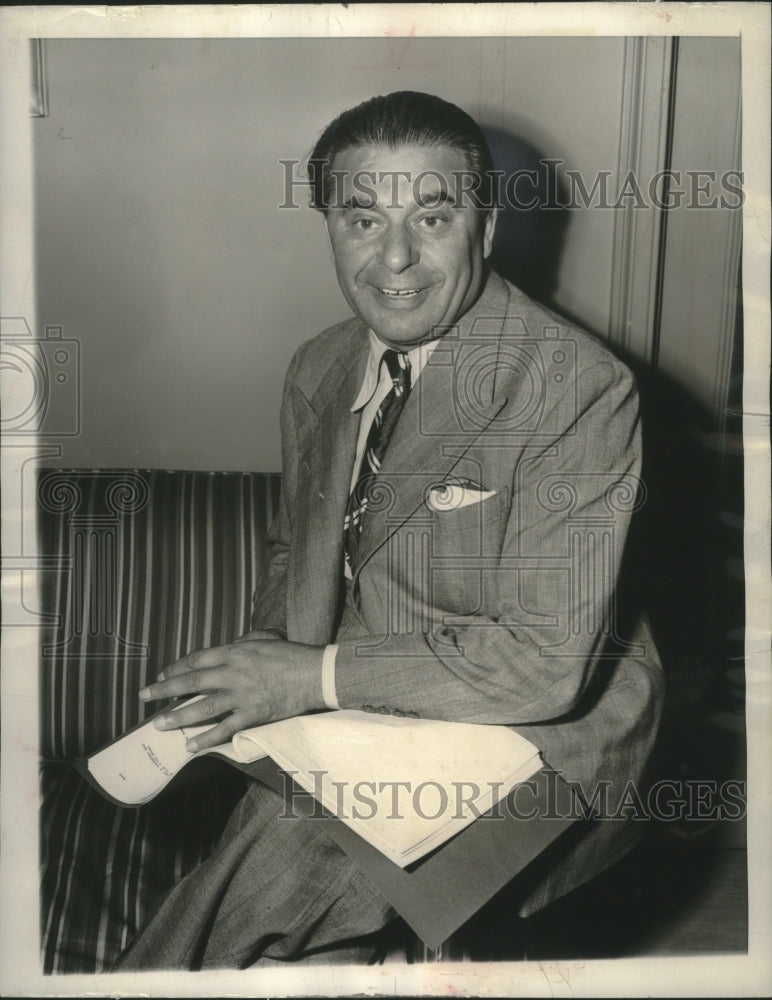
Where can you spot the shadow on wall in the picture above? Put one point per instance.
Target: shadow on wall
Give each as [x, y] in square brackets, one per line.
[529, 240]
[685, 556]
[684, 564]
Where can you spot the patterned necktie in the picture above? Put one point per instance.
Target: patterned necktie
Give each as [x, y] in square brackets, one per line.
[378, 437]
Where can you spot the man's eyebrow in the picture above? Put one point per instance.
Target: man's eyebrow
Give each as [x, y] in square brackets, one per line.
[354, 203]
[435, 198]
[432, 200]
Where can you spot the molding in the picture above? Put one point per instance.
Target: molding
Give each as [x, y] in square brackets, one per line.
[729, 292]
[38, 96]
[647, 76]
[698, 291]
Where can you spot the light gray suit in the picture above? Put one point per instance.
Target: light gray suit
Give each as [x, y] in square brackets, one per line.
[498, 608]
[502, 609]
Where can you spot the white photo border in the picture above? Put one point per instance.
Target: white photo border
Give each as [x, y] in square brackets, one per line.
[709, 975]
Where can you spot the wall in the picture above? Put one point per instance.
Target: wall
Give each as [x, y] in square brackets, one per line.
[160, 246]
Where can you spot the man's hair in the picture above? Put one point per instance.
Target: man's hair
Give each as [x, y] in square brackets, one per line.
[405, 117]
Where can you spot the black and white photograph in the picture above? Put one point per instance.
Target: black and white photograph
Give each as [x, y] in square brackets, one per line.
[386, 509]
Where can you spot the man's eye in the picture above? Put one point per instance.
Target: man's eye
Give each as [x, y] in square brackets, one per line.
[364, 225]
[432, 222]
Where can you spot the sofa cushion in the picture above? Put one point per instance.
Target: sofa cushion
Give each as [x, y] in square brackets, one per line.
[149, 565]
[103, 868]
[152, 564]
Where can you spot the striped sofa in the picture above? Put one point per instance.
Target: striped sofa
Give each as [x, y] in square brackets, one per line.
[147, 565]
[144, 567]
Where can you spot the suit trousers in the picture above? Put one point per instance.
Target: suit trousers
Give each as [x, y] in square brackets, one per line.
[276, 887]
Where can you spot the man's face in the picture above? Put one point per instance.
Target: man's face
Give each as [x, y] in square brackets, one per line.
[408, 251]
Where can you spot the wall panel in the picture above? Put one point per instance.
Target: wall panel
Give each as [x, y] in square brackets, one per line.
[161, 246]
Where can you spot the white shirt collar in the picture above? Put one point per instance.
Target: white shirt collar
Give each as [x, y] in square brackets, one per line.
[418, 356]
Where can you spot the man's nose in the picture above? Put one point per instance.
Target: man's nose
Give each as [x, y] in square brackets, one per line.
[399, 249]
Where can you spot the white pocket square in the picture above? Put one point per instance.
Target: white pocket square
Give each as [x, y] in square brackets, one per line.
[453, 495]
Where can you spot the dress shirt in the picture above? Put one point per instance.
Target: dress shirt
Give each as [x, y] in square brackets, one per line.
[376, 385]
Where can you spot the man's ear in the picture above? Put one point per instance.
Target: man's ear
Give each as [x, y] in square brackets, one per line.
[488, 230]
[327, 234]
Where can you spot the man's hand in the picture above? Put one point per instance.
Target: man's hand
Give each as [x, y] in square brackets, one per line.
[260, 678]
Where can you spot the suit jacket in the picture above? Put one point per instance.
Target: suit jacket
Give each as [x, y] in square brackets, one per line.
[487, 584]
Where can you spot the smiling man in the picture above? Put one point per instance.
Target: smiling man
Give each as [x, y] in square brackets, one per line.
[459, 472]
[410, 258]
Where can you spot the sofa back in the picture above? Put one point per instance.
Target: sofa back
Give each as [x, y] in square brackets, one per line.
[150, 565]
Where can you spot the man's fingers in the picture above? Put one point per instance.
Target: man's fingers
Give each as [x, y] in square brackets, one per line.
[187, 682]
[214, 657]
[200, 659]
[221, 733]
[202, 712]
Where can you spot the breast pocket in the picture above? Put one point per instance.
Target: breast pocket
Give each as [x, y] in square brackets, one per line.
[470, 528]
[462, 547]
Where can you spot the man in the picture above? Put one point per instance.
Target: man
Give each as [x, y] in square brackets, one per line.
[459, 471]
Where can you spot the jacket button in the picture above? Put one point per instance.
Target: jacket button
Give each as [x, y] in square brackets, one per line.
[382, 710]
[367, 708]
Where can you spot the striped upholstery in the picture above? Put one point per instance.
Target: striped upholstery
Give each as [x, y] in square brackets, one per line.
[152, 565]
[103, 868]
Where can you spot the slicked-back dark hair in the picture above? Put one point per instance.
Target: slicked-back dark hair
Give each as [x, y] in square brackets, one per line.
[405, 117]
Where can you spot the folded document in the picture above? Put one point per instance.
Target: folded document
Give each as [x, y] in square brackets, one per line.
[403, 785]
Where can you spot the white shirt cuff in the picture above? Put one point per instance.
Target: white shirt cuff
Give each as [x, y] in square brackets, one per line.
[328, 677]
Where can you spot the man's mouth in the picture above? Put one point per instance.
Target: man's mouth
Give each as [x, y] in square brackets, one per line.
[400, 293]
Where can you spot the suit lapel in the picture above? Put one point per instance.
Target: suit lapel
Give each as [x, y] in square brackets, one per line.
[453, 403]
[316, 568]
